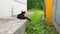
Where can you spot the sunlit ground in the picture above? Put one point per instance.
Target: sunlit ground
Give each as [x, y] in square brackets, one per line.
[38, 25]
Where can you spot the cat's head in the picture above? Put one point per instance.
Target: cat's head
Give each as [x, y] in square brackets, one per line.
[23, 12]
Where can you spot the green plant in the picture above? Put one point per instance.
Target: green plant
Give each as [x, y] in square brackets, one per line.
[38, 25]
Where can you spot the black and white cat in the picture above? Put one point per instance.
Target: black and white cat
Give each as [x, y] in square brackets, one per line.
[22, 16]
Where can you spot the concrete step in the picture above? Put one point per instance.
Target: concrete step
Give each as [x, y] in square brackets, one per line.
[12, 25]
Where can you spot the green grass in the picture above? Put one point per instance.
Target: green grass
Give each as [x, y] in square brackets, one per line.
[38, 25]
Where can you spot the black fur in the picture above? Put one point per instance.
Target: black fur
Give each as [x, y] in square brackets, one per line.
[21, 16]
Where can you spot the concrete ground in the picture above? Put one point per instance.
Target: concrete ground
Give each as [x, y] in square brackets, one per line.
[12, 25]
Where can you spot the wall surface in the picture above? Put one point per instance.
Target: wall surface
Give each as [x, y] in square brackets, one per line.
[18, 7]
[56, 15]
[7, 5]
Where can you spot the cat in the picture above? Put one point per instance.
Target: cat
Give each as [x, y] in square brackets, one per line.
[22, 16]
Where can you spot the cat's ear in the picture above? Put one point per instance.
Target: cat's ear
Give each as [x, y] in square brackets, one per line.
[22, 11]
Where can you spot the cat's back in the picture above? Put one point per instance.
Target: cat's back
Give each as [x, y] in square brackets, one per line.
[19, 15]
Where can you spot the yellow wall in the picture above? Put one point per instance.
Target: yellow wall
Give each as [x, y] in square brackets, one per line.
[49, 10]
